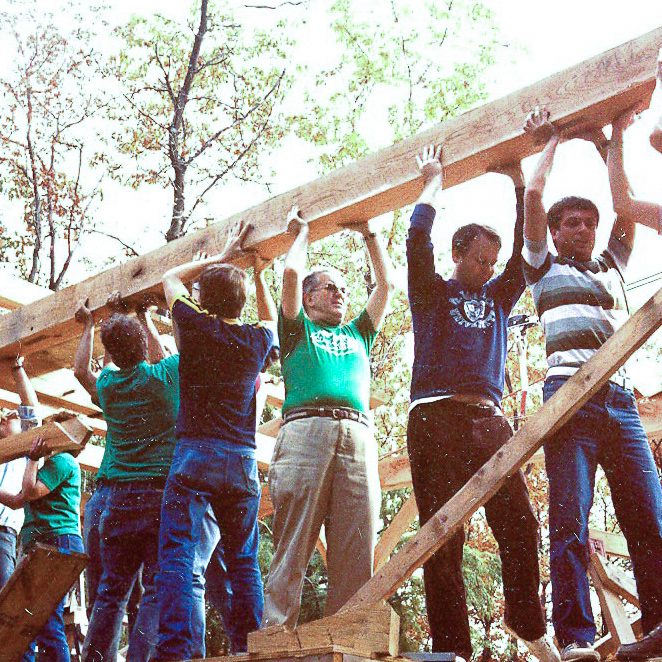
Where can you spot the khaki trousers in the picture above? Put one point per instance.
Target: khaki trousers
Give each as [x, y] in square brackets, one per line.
[324, 471]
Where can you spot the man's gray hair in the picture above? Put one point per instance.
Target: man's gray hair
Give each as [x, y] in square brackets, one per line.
[311, 281]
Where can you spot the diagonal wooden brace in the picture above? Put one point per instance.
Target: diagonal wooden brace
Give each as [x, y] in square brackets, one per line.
[515, 453]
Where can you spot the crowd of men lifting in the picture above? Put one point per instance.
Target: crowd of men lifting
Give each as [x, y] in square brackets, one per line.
[177, 493]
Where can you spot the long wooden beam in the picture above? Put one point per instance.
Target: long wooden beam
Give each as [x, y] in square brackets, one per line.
[69, 435]
[592, 92]
[515, 453]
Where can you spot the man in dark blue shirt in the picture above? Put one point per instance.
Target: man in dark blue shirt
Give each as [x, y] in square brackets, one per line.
[214, 461]
[455, 423]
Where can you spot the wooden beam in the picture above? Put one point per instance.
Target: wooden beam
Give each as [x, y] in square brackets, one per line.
[69, 435]
[40, 581]
[393, 534]
[613, 611]
[615, 580]
[487, 481]
[592, 92]
[369, 631]
[606, 645]
[614, 543]
[16, 292]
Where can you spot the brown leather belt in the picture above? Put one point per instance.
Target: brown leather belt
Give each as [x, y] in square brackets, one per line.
[337, 413]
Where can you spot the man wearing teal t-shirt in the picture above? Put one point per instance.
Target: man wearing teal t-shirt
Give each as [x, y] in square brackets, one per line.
[325, 461]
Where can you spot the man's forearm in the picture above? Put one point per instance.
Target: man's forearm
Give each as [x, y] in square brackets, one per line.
[618, 180]
[155, 350]
[29, 479]
[430, 192]
[266, 308]
[83, 359]
[13, 501]
[381, 262]
[24, 386]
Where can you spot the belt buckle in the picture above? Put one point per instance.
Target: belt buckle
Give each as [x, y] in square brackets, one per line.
[336, 413]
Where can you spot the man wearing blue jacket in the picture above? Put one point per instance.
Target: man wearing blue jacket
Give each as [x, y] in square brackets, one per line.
[455, 422]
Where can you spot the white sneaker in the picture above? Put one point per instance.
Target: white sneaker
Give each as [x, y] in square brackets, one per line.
[542, 649]
[579, 651]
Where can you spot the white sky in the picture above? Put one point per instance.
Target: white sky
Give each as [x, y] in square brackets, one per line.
[536, 40]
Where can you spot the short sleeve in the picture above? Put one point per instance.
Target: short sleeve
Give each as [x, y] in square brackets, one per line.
[56, 471]
[537, 260]
[167, 370]
[363, 324]
[289, 331]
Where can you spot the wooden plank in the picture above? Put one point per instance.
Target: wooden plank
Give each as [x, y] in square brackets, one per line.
[594, 91]
[321, 654]
[606, 645]
[614, 543]
[650, 410]
[16, 292]
[69, 435]
[40, 581]
[90, 458]
[395, 472]
[367, 630]
[486, 482]
[615, 580]
[613, 611]
[393, 535]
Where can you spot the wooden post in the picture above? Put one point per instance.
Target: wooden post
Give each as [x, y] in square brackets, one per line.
[486, 482]
[40, 581]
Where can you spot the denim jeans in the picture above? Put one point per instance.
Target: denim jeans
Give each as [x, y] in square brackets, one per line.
[129, 530]
[7, 554]
[52, 640]
[204, 472]
[210, 581]
[448, 443]
[607, 430]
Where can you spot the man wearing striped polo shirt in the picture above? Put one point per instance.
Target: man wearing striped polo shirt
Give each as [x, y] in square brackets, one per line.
[581, 302]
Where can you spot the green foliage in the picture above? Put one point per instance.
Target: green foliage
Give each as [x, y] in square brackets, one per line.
[401, 65]
[217, 128]
[47, 108]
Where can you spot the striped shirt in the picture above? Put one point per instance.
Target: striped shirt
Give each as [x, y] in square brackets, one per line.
[580, 304]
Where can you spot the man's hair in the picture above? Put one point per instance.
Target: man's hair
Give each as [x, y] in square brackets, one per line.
[464, 237]
[223, 290]
[555, 212]
[125, 338]
[311, 281]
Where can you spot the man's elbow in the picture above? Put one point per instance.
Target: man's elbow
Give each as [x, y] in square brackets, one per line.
[656, 139]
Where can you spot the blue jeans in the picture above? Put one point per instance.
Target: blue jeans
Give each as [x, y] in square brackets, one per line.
[210, 581]
[52, 640]
[204, 472]
[129, 530]
[607, 430]
[7, 554]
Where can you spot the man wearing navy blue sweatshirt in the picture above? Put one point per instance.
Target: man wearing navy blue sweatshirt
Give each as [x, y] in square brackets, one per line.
[455, 422]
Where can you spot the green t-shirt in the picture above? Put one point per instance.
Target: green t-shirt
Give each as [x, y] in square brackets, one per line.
[326, 365]
[57, 513]
[140, 405]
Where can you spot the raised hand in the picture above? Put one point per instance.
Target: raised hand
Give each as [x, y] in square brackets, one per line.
[234, 245]
[38, 449]
[83, 314]
[539, 126]
[512, 170]
[429, 162]
[294, 221]
[116, 303]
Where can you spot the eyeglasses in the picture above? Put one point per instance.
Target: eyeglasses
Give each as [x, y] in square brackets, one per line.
[333, 288]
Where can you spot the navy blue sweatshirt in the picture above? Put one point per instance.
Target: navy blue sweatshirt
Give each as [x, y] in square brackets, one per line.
[460, 337]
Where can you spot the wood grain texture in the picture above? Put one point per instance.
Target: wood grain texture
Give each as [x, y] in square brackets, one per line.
[366, 630]
[486, 482]
[40, 581]
[592, 92]
[69, 435]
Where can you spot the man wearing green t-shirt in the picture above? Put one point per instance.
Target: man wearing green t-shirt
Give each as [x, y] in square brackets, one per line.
[139, 401]
[325, 462]
[50, 498]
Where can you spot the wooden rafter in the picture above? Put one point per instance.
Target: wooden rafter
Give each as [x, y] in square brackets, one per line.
[592, 92]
